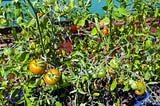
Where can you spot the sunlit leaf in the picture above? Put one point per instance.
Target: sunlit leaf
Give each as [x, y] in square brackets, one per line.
[101, 104]
[114, 84]
[126, 87]
[94, 31]
[81, 22]
[58, 103]
[81, 91]
[147, 75]
[77, 53]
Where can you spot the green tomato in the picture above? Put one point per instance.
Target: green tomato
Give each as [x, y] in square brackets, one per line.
[96, 94]
[114, 63]
[4, 84]
[102, 74]
[148, 44]
[134, 85]
[94, 76]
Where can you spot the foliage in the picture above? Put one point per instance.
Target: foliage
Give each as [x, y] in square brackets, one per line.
[96, 68]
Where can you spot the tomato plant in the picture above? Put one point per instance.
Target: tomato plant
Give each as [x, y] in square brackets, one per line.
[91, 69]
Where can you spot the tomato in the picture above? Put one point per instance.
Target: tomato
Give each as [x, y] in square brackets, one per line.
[74, 28]
[96, 94]
[144, 66]
[102, 74]
[114, 63]
[40, 14]
[32, 45]
[148, 44]
[52, 76]
[138, 87]
[139, 92]
[119, 81]
[104, 31]
[37, 66]
[134, 85]
[111, 72]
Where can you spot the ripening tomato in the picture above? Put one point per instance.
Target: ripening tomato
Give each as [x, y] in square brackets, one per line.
[74, 28]
[119, 81]
[40, 14]
[52, 76]
[139, 92]
[111, 71]
[104, 31]
[37, 66]
[144, 66]
[138, 87]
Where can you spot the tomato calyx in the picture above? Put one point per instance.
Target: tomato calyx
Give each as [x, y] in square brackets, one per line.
[40, 63]
[53, 76]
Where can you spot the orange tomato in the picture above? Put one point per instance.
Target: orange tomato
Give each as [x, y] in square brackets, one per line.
[104, 31]
[74, 28]
[140, 88]
[139, 92]
[37, 66]
[52, 76]
[111, 72]
[40, 14]
[119, 81]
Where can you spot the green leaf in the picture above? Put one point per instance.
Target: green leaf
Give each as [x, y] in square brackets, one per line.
[105, 20]
[24, 57]
[19, 20]
[123, 11]
[109, 4]
[114, 63]
[74, 91]
[71, 3]
[114, 84]
[148, 44]
[81, 22]
[147, 75]
[83, 104]
[81, 91]
[158, 31]
[77, 53]
[84, 78]
[100, 104]
[7, 51]
[94, 31]
[126, 87]
[2, 72]
[83, 63]
[28, 102]
[25, 34]
[58, 103]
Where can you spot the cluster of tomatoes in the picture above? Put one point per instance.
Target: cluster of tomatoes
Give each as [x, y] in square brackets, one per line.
[75, 28]
[138, 87]
[51, 77]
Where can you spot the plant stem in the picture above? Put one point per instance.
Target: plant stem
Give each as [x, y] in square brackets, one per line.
[39, 29]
